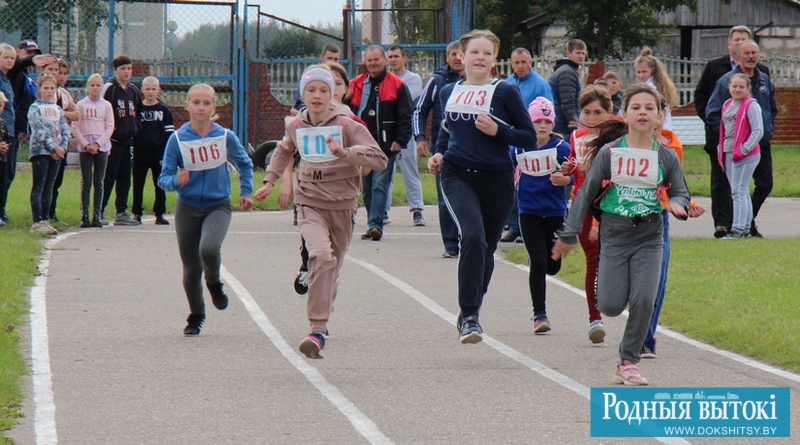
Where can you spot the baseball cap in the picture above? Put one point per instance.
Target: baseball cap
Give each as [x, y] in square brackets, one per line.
[29, 45]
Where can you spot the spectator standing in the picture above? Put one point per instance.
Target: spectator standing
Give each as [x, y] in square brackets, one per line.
[429, 105]
[763, 91]
[407, 159]
[721, 204]
[566, 87]
[384, 103]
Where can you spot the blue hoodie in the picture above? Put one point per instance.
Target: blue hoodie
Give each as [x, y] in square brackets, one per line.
[536, 194]
[206, 188]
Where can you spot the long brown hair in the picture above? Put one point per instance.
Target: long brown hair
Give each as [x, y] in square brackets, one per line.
[661, 78]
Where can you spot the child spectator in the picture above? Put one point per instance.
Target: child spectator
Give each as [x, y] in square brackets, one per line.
[635, 167]
[616, 91]
[49, 137]
[63, 100]
[201, 149]
[738, 153]
[148, 149]
[651, 71]
[326, 206]
[127, 103]
[93, 131]
[542, 203]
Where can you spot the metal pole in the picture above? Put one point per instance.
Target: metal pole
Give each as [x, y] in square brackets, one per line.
[111, 13]
[351, 70]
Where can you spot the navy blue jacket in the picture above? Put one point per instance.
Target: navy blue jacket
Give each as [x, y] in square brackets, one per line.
[429, 100]
[536, 195]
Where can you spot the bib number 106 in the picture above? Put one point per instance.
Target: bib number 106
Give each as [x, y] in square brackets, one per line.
[201, 154]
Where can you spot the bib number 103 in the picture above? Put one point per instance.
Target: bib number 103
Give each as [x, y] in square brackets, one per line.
[203, 154]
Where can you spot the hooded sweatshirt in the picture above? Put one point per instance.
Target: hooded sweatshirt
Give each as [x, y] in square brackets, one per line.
[205, 188]
[127, 105]
[332, 184]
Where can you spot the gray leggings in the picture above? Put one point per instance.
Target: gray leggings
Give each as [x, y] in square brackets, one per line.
[739, 175]
[93, 170]
[200, 234]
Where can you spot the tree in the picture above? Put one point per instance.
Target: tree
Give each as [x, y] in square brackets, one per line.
[24, 15]
[610, 27]
[502, 18]
[415, 26]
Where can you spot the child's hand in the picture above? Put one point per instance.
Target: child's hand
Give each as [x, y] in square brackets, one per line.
[435, 163]
[568, 166]
[561, 249]
[677, 210]
[486, 124]
[3, 148]
[245, 202]
[183, 177]
[558, 179]
[594, 234]
[334, 147]
[696, 210]
[263, 192]
[285, 195]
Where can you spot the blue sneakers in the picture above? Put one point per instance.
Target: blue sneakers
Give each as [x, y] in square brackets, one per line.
[470, 330]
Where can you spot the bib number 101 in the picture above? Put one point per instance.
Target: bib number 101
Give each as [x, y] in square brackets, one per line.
[201, 154]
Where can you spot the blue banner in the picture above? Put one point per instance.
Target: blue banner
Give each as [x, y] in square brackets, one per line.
[690, 412]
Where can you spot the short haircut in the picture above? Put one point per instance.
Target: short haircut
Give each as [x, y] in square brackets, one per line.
[740, 28]
[331, 48]
[575, 44]
[120, 60]
[398, 48]
[455, 44]
[375, 47]
[602, 82]
[151, 79]
[63, 64]
[739, 48]
[5, 48]
[612, 76]
[45, 78]
[521, 50]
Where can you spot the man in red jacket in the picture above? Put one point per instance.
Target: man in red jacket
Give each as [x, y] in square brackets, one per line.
[384, 103]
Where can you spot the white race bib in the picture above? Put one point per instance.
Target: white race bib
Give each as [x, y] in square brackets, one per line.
[50, 113]
[634, 167]
[582, 147]
[471, 99]
[204, 154]
[311, 142]
[538, 162]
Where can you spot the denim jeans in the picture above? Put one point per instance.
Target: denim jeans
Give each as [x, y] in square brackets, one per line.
[376, 192]
[44, 170]
[744, 207]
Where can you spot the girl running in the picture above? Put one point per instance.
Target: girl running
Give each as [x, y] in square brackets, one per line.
[333, 148]
[634, 168]
[483, 116]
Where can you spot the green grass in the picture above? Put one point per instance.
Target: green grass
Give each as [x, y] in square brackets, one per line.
[785, 162]
[715, 289]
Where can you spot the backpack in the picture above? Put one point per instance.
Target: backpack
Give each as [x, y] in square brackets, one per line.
[28, 96]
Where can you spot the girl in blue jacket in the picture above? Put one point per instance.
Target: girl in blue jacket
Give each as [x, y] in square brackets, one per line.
[195, 165]
[542, 195]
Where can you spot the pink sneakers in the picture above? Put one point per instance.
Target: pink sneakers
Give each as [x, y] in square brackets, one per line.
[628, 374]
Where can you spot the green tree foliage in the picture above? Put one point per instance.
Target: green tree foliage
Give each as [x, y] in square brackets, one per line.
[502, 17]
[279, 42]
[206, 40]
[611, 27]
[412, 26]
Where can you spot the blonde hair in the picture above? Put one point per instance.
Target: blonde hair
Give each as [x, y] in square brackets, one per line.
[46, 78]
[743, 77]
[94, 76]
[202, 86]
[6, 48]
[3, 98]
[661, 79]
[480, 33]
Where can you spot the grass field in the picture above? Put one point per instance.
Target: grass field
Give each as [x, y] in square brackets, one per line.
[753, 283]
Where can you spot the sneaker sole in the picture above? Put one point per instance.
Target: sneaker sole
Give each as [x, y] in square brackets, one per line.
[310, 348]
[221, 305]
[618, 379]
[651, 355]
[542, 329]
[125, 223]
[298, 288]
[471, 338]
[375, 234]
[597, 336]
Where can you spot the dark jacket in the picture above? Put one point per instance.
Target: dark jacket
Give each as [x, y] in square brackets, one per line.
[566, 88]
[714, 69]
[762, 90]
[18, 77]
[428, 101]
[388, 117]
[127, 106]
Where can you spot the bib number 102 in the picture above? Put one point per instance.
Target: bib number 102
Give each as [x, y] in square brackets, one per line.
[629, 166]
[201, 154]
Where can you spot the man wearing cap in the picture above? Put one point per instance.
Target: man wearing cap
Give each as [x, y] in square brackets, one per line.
[28, 54]
[383, 102]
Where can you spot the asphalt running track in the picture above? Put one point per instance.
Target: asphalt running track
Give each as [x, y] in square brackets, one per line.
[109, 363]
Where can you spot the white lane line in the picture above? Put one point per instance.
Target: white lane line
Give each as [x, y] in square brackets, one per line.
[360, 421]
[678, 336]
[44, 415]
[499, 346]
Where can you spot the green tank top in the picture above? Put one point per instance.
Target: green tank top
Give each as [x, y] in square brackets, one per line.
[641, 196]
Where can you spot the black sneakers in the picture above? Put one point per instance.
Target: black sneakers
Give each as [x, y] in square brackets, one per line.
[194, 324]
[161, 221]
[470, 330]
[301, 282]
[218, 295]
[85, 222]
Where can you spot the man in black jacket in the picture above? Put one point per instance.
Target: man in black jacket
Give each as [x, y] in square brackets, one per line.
[721, 204]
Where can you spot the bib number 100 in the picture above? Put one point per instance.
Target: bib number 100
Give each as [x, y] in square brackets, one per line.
[201, 154]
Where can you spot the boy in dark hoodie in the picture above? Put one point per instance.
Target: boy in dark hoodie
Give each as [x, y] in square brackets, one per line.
[127, 104]
[566, 87]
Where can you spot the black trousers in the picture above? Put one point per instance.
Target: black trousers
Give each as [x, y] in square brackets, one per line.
[118, 171]
[538, 232]
[141, 164]
[721, 201]
[57, 184]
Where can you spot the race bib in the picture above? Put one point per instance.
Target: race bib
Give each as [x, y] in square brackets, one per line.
[582, 147]
[538, 162]
[634, 167]
[311, 142]
[50, 113]
[471, 99]
[204, 154]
